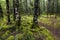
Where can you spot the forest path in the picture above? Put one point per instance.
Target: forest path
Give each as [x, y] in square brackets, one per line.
[54, 31]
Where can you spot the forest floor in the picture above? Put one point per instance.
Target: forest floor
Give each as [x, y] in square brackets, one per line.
[54, 31]
[51, 28]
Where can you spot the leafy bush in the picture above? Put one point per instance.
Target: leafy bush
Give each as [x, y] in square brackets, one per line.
[27, 36]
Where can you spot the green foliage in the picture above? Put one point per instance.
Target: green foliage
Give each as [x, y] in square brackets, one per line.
[26, 21]
[10, 38]
[27, 36]
[47, 34]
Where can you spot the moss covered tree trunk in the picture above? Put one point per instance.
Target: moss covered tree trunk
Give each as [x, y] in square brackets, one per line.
[36, 13]
[16, 12]
[56, 8]
[8, 11]
[50, 7]
[1, 11]
[14, 15]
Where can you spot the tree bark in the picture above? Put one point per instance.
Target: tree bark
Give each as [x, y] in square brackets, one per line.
[1, 11]
[17, 17]
[8, 11]
[36, 13]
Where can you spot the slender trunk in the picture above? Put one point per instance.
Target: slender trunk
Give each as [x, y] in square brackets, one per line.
[8, 11]
[16, 12]
[49, 6]
[57, 9]
[1, 11]
[26, 7]
[36, 13]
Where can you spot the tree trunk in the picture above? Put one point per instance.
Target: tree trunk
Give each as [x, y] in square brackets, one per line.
[8, 11]
[16, 12]
[1, 11]
[36, 13]
[26, 7]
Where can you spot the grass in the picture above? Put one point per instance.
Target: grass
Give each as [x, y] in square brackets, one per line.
[49, 21]
[26, 22]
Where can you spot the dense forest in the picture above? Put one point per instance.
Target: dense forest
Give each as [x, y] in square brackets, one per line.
[29, 19]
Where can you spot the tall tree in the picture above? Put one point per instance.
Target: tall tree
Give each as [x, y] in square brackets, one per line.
[1, 11]
[8, 11]
[16, 12]
[56, 8]
[26, 6]
[36, 13]
[50, 7]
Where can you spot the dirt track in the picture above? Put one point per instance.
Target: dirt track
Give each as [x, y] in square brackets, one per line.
[54, 31]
